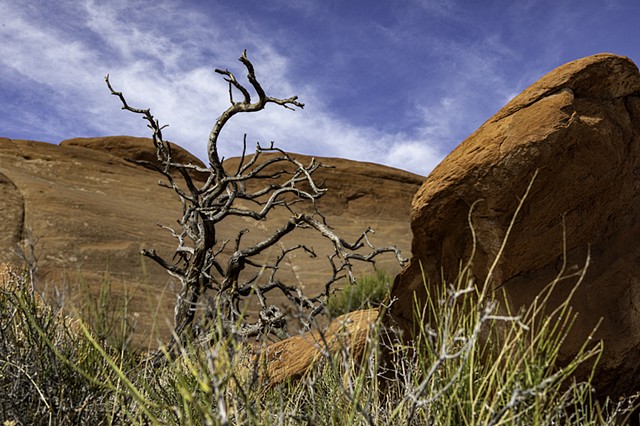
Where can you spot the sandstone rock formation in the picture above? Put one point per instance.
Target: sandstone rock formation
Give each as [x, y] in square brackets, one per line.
[579, 126]
[292, 358]
[94, 211]
[136, 149]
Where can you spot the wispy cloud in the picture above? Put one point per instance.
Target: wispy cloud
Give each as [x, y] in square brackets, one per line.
[400, 87]
[169, 72]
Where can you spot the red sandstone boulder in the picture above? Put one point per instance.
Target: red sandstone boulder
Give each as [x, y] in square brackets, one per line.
[579, 126]
[292, 358]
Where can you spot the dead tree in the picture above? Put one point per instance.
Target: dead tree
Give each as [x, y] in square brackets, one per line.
[198, 262]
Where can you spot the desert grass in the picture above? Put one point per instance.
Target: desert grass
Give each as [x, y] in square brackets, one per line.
[55, 370]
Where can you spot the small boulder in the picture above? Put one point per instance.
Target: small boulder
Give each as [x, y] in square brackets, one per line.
[292, 358]
[579, 128]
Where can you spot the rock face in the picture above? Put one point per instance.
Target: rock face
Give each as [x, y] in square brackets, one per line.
[579, 127]
[127, 147]
[292, 358]
[94, 211]
[136, 149]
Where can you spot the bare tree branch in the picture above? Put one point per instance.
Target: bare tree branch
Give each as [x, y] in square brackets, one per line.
[233, 274]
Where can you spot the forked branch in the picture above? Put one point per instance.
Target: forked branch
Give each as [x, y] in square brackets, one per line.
[263, 181]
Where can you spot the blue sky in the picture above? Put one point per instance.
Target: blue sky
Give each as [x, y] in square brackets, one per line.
[393, 82]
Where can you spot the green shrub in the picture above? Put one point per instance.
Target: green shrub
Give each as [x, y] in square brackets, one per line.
[367, 292]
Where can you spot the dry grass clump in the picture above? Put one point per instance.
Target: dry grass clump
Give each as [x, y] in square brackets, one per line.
[51, 374]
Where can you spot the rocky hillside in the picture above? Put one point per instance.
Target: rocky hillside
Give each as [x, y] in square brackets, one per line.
[93, 211]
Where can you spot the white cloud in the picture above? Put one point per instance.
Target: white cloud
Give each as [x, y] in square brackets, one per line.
[42, 54]
[156, 63]
[445, 78]
[414, 156]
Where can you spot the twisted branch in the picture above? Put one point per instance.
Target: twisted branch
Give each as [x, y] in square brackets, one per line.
[202, 263]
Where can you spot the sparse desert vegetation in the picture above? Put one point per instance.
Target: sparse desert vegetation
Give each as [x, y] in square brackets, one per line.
[369, 291]
[56, 370]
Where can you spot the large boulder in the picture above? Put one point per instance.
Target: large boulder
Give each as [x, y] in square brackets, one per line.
[579, 127]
